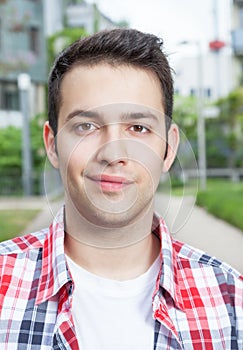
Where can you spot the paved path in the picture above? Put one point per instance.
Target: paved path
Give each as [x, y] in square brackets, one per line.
[186, 222]
[193, 225]
[22, 202]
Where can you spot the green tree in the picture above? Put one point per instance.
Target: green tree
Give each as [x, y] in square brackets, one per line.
[61, 40]
[10, 160]
[11, 156]
[230, 124]
[37, 145]
[37, 150]
[10, 150]
[185, 115]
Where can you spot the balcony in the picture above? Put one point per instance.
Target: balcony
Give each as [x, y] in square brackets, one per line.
[237, 42]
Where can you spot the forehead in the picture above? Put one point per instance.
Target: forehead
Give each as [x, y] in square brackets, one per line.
[87, 87]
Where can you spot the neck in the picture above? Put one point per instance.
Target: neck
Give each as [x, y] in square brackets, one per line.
[117, 264]
[118, 253]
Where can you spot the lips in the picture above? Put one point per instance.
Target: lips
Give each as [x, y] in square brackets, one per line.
[110, 183]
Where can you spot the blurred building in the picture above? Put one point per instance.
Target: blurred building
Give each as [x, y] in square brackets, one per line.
[22, 49]
[221, 62]
[54, 14]
[87, 16]
[237, 40]
[213, 75]
[24, 28]
[78, 14]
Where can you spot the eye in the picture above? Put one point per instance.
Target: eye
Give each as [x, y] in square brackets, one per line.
[86, 127]
[139, 129]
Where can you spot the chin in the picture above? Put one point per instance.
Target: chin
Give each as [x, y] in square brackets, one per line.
[110, 220]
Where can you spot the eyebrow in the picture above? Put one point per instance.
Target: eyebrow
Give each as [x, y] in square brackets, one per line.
[125, 116]
[82, 113]
[139, 115]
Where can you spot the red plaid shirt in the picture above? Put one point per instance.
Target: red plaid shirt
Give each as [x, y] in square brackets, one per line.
[197, 304]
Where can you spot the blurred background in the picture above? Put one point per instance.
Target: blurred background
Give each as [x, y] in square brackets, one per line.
[204, 44]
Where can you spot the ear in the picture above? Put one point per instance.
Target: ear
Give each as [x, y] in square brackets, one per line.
[49, 141]
[173, 143]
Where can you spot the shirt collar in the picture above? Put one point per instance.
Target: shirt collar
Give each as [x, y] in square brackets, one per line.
[55, 273]
[168, 275]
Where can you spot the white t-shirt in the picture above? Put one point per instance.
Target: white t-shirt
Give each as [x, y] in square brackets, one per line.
[113, 315]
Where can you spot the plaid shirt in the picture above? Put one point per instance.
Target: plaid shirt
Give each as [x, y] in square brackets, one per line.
[197, 303]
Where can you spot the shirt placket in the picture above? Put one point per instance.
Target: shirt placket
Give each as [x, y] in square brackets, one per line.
[65, 335]
[165, 334]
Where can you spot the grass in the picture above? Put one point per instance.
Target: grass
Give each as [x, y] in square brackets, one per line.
[13, 222]
[176, 188]
[223, 199]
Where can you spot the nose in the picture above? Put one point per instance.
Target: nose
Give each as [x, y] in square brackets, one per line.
[113, 149]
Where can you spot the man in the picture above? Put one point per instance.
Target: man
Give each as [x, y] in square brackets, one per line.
[107, 274]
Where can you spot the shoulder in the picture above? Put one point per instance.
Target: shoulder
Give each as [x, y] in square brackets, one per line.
[20, 261]
[23, 245]
[198, 263]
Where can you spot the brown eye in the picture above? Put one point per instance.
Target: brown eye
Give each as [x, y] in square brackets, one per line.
[86, 127]
[139, 128]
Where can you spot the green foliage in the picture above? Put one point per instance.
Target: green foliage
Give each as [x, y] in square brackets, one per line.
[223, 199]
[216, 145]
[123, 23]
[231, 106]
[185, 115]
[13, 222]
[230, 126]
[37, 145]
[10, 149]
[224, 134]
[60, 40]
[11, 156]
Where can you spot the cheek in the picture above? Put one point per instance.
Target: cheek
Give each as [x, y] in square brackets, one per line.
[149, 154]
[149, 163]
[73, 158]
[151, 174]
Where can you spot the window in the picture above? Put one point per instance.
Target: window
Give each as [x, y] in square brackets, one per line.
[241, 17]
[34, 39]
[9, 96]
[208, 92]
[192, 92]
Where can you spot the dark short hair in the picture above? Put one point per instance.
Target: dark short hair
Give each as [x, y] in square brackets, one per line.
[115, 47]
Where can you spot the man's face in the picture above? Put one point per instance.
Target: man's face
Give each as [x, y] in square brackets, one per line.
[111, 142]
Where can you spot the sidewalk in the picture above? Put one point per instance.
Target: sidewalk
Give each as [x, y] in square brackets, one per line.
[34, 202]
[186, 222]
[45, 217]
[193, 225]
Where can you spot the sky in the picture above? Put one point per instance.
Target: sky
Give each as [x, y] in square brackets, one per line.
[173, 20]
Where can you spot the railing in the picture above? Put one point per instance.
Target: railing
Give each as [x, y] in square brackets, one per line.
[11, 183]
[233, 174]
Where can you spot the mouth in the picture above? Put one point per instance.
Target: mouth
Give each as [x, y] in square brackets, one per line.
[110, 183]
